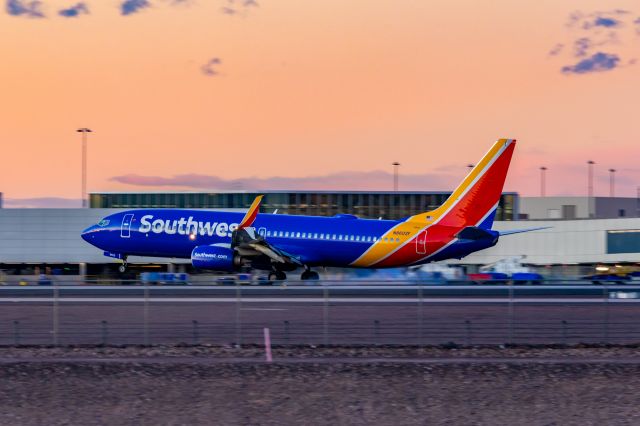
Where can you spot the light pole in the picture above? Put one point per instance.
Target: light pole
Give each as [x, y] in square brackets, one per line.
[543, 181]
[395, 165]
[612, 183]
[84, 131]
[590, 164]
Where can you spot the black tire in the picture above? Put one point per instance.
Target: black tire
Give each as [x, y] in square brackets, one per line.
[277, 276]
[310, 276]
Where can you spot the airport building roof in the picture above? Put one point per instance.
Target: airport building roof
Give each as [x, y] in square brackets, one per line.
[569, 208]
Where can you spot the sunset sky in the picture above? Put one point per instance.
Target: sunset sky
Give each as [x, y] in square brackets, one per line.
[243, 94]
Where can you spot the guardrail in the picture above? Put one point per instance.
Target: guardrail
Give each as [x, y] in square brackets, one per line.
[379, 288]
[224, 281]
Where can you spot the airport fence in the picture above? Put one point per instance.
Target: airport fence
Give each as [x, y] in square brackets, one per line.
[319, 315]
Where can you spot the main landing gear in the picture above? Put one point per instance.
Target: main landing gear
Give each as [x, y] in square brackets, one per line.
[277, 276]
[310, 275]
[307, 275]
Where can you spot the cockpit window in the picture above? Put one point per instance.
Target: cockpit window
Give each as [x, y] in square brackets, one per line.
[103, 223]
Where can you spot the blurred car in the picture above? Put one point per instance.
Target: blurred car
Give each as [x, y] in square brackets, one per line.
[614, 274]
[488, 278]
[240, 279]
[44, 280]
[507, 270]
[164, 278]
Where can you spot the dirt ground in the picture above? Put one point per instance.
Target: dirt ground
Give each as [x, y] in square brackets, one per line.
[176, 386]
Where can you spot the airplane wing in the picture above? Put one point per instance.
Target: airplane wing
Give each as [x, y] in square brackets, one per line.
[518, 231]
[274, 253]
[248, 243]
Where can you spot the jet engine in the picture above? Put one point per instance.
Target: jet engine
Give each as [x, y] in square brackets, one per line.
[214, 257]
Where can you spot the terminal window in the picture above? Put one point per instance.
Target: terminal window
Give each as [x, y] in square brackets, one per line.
[623, 241]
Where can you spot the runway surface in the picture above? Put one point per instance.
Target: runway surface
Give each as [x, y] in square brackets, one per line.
[324, 316]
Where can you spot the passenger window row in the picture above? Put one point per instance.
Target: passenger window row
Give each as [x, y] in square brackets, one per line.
[323, 236]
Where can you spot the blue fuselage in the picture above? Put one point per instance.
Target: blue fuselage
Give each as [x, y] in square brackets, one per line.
[315, 241]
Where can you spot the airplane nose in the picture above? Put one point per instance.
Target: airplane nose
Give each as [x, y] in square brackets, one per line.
[88, 234]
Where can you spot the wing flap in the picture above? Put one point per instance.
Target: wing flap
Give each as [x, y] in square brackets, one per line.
[261, 246]
[267, 251]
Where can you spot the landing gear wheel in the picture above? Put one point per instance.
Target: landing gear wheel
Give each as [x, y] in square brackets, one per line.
[310, 275]
[122, 268]
[277, 276]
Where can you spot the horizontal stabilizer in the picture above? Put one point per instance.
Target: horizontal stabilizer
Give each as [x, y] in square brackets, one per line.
[519, 231]
[475, 233]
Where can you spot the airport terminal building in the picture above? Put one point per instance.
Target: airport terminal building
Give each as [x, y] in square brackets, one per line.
[370, 204]
[37, 240]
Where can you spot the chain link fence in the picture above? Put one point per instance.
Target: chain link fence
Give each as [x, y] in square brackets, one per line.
[320, 315]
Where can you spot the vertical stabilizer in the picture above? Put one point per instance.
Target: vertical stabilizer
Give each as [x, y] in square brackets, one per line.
[475, 200]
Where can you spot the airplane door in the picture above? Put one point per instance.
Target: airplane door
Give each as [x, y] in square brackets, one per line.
[125, 230]
[421, 243]
[262, 232]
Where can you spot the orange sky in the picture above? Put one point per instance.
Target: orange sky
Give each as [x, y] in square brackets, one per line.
[311, 89]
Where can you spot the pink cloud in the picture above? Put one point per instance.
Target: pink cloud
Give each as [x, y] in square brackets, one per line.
[347, 181]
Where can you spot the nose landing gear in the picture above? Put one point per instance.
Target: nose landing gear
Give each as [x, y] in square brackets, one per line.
[123, 268]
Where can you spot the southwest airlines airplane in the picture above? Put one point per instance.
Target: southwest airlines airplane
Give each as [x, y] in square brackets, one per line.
[227, 241]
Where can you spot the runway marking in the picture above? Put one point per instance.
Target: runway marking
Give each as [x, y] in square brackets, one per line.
[263, 309]
[294, 300]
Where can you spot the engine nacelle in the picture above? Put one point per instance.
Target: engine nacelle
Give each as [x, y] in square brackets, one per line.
[213, 257]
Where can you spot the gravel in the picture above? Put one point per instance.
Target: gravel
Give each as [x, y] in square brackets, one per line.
[297, 352]
[70, 385]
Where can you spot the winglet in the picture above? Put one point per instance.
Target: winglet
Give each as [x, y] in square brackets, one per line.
[252, 213]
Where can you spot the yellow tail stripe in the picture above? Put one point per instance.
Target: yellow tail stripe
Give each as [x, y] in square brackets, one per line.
[468, 180]
[405, 231]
